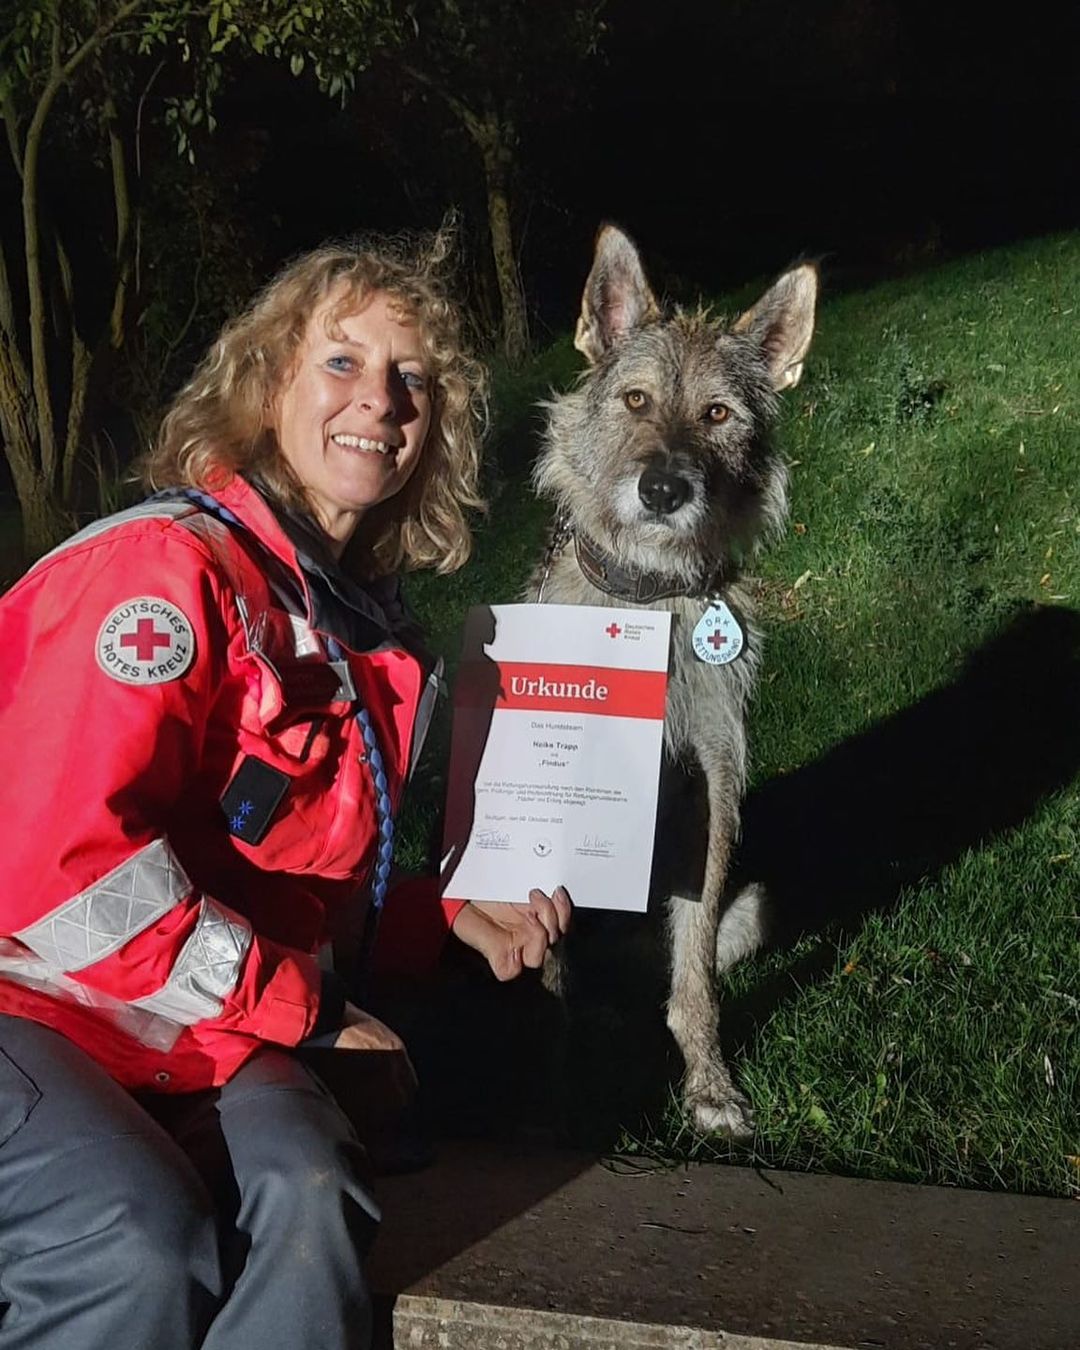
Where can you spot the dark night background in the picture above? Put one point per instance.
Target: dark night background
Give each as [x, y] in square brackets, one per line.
[878, 136]
[729, 139]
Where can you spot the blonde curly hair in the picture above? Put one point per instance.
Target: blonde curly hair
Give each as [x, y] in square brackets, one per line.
[217, 424]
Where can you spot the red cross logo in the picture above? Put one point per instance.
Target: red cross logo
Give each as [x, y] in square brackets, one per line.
[717, 639]
[145, 640]
[613, 630]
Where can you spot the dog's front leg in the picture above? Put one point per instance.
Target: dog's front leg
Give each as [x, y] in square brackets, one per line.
[710, 1097]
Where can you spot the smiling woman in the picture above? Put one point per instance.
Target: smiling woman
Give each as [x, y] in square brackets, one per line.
[353, 417]
[323, 333]
[258, 692]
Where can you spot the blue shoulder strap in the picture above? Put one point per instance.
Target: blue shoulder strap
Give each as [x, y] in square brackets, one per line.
[384, 810]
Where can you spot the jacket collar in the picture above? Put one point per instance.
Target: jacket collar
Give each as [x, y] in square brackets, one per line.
[254, 511]
[362, 616]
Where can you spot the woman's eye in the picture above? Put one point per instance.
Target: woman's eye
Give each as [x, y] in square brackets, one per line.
[636, 400]
[413, 379]
[341, 363]
[717, 413]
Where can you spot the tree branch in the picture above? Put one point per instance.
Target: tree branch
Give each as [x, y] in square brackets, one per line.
[16, 416]
[11, 127]
[59, 75]
[137, 260]
[54, 47]
[182, 332]
[81, 364]
[473, 124]
[122, 254]
[7, 301]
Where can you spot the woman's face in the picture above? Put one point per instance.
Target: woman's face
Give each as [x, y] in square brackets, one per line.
[353, 413]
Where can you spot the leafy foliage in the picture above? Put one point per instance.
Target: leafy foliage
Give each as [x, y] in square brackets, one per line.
[83, 87]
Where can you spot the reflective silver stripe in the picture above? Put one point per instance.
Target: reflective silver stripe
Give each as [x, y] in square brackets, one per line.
[205, 972]
[98, 921]
[144, 511]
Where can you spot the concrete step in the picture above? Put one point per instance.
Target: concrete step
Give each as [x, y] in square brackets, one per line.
[509, 1248]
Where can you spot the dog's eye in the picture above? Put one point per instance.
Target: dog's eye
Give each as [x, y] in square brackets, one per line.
[717, 413]
[637, 400]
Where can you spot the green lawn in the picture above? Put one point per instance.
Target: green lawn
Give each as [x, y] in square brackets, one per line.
[916, 736]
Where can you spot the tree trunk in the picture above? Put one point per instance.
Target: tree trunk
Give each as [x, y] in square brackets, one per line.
[44, 521]
[497, 156]
[494, 138]
[27, 424]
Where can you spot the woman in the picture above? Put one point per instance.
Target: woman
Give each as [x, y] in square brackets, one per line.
[217, 694]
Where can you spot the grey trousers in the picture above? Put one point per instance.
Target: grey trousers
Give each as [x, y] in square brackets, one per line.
[235, 1220]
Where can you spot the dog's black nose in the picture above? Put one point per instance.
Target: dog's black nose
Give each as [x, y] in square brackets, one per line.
[662, 492]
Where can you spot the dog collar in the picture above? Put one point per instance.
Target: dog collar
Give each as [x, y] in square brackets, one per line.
[633, 584]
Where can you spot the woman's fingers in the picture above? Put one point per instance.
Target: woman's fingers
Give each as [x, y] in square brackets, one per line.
[361, 1031]
[553, 911]
[563, 908]
[542, 911]
[535, 940]
[515, 936]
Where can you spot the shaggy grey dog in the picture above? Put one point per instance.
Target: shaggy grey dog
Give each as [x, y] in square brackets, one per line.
[665, 483]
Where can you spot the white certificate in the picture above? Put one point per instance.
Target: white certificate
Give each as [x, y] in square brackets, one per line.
[555, 754]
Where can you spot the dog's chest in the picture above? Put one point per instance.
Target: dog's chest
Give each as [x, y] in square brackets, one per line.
[706, 703]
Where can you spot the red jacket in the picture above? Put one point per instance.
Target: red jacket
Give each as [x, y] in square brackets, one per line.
[141, 664]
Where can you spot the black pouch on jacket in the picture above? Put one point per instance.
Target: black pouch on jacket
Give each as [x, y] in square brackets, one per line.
[252, 797]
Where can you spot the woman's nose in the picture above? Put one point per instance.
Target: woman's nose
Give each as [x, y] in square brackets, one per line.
[375, 393]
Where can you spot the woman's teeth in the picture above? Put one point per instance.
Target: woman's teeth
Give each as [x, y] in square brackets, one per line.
[361, 443]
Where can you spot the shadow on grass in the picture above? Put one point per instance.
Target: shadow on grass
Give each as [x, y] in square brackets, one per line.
[890, 808]
[895, 804]
[831, 842]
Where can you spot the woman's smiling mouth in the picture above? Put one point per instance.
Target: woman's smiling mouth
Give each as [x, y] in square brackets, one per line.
[349, 442]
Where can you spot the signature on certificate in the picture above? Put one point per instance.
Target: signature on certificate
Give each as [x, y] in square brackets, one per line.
[596, 846]
[492, 839]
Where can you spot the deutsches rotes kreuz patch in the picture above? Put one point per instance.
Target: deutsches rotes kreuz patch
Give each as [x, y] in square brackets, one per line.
[146, 640]
[718, 635]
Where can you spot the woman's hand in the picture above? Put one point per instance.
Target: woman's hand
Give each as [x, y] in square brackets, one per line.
[511, 937]
[361, 1031]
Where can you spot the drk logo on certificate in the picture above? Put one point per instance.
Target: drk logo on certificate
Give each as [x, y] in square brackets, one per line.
[555, 754]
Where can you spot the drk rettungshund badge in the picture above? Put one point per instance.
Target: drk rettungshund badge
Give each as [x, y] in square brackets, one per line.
[718, 635]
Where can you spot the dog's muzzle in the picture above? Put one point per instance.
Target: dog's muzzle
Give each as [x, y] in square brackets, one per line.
[663, 492]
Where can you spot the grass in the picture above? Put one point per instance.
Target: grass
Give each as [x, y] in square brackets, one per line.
[916, 739]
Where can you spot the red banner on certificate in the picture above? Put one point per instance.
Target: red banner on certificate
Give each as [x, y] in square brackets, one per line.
[599, 690]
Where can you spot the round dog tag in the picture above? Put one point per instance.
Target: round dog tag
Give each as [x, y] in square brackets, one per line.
[718, 635]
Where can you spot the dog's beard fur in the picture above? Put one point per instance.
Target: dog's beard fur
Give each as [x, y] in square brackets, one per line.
[684, 402]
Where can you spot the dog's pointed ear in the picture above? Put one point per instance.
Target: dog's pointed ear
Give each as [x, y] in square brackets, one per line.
[782, 322]
[617, 295]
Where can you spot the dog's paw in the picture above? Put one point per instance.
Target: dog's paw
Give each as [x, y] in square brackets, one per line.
[728, 1113]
